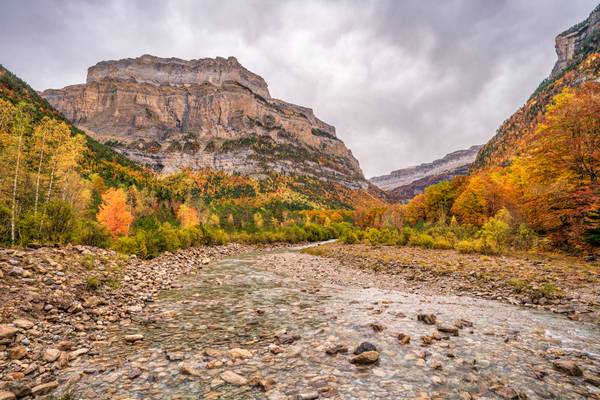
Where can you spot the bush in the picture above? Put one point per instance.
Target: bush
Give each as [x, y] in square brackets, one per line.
[92, 233]
[421, 240]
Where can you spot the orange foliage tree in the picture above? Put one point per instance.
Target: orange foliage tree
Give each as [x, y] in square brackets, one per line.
[114, 213]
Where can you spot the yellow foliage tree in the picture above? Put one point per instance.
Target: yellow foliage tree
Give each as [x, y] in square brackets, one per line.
[187, 216]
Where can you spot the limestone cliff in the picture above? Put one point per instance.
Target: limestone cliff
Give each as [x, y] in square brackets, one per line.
[578, 53]
[576, 42]
[209, 113]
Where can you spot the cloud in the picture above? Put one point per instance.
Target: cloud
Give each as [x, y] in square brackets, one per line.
[404, 82]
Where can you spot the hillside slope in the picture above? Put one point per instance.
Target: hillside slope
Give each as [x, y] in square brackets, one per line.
[171, 114]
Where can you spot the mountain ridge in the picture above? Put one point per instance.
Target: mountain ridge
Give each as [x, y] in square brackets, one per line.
[171, 114]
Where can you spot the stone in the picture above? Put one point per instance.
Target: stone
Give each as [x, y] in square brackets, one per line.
[51, 355]
[15, 271]
[463, 323]
[308, 395]
[240, 353]
[7, 396]
[233, 378]
[592, 379]
[336, 349]
[205, 261]
[133, 338]
[76, 353]
[403, 338]
[450, 330]
[273, 348]
[377, 327]
[568, 367]
[17, 352]
[7, 331]
[287, 339]
[429, 319]
[365, 346]
[436, 364]
[366, 357]
[175, 356]
[23, 323]
[44, 388]
[187, 369]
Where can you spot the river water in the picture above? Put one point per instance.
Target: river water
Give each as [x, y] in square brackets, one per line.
[236, 303]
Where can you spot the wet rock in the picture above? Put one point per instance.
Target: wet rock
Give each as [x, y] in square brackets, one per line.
[17, 352]
[450, 330]
[377, 327]
[51, 355]
[568, 367]
[7, 396]
[364, 347]
[366, 357]
[133, 338]
[463, 323]
[175, 356]
[403, 338]
[429, 319]
[187, 369]
[233, 378]
[335, 349]
[308, 395]
[44, 388]
[7, 331]
[240, 353]
[287, 339]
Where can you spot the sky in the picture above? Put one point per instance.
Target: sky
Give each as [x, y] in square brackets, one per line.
[403, 81]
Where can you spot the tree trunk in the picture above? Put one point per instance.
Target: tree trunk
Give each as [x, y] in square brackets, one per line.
[14, 193]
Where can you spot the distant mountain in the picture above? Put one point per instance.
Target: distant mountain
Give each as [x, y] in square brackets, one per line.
[404, 184]
[171, 114]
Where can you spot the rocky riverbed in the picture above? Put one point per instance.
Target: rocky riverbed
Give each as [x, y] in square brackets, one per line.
[241, 323]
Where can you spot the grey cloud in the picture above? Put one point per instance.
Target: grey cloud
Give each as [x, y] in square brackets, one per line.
[404, 81]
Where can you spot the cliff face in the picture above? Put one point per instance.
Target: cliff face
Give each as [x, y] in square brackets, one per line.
[576, 42]
[209, 113]
[578, 51]
[408, 182]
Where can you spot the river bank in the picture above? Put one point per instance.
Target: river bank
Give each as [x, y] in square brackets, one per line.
[238, 322]
[552, 282]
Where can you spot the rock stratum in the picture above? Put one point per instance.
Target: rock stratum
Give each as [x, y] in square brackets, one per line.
[404, 184]
[171, 114]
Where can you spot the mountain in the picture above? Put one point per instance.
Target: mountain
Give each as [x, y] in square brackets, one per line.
[404, 184]
[577, 63]
[171, 114]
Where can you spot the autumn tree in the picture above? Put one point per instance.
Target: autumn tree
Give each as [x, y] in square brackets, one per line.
[563, 164]
[114, 213]
[471, 206]
[187, 216]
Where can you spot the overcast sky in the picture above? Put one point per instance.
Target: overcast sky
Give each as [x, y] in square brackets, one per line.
[403, 81]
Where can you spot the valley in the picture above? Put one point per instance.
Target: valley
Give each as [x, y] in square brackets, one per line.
[169, 230]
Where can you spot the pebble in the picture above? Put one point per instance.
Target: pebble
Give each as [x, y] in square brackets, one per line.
[51, 355]
[7, 331]
[133, 338]
[364, 347]
[403, 338]
[568, 367]
[233, 378]
[44, 388]
[7, 396]
[308, 396]
[429, 319]
[23, 323]
[366, 357]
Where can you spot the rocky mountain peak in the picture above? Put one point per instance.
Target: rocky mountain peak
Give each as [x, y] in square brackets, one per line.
[576, 42]
[175, 72]
[169, 114]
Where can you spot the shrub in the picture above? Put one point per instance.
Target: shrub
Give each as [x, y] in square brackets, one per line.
[93, 283]
[421, 240]
[92, 233]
